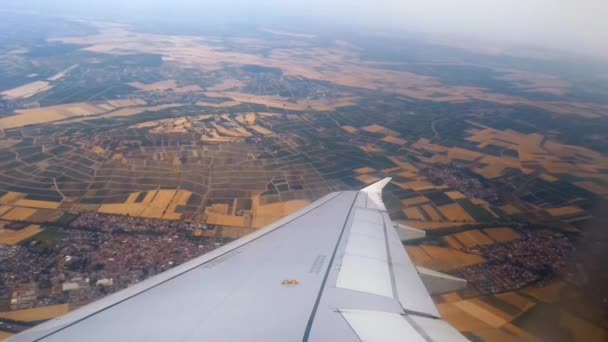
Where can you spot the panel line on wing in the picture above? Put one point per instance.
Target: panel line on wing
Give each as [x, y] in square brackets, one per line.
[326, 276]
[390, 261]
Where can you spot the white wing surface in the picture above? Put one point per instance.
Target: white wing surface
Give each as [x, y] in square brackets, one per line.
[334, 271]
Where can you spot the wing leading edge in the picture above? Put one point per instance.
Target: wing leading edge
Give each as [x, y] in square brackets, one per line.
[336, 270]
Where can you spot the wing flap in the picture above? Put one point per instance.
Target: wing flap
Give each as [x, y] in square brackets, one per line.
[365, 275]
[377, 326]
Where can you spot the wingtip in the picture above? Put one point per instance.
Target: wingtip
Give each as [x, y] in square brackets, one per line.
[378, 186]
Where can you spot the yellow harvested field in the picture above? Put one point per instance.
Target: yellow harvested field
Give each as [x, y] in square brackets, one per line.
[62, 74]
[472, 238]
[215, 137]
[405, 166]
[122, 209]
[535, 149]
[45, 216]
[432, 213]
[149, 196]
[364, 170]
[37, 204]
[11, 197]
[36, 314]
[246, 119]
[593, 187]
[547, 177]
[465, 322]
[132, 197]
[420, 185]
[547, 294]
[25, 117]
[482, 312]
[430, 225]
[510, 209]
[425, 144]
[455, 195]
[520, 302]
[413, 213]
[227, 220]
[462, 154]
[394, 140]
[565, 211]
[377, 129]
[4, 209]
[48, 114]
[261, 130]
[8, 143]
[219, 208]
[491, 171]
[367, 179]
[234, 232]
[418, 255]
[156, 208]
[507, 138]
[156, 204]
[27, 90]
[451, 297]
[218, 105]
[4, 335]
[181, 198]
[445, 259]
[454, 212]
[415, 201]
[235, 132]
[582, 330]
[285, 103]
[10, 237]
[502, 234]
[462, 321]
[453, 242]
[350, 129]
[440, 159]
[130, 111]
[18, 214]
[269, 213]
[269, 115]
[279, 209]
[396, 171]
[519, 334]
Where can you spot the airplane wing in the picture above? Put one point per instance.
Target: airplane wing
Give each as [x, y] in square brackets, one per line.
[334, 271]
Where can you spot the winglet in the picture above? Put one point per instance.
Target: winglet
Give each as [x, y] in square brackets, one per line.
[374, 194]
[377, 187]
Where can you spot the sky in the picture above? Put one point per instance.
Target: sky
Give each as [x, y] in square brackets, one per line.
[579, 26]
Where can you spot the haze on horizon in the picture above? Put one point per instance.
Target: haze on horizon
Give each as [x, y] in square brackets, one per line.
[569, 25]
